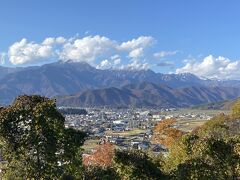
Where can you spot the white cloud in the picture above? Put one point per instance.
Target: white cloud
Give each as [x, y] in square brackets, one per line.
[60, 40]
[116, 59]
[87, 49]
[49, 41]
[162, 54]
[105, 64]
[136, 47]
[213, 67]
[141, 42]
[52, 41]
[116, 56]
[136, 53]
[25, 52]
[135, 65]
[113, 63]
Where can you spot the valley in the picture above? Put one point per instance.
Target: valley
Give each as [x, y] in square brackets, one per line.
[133, 128]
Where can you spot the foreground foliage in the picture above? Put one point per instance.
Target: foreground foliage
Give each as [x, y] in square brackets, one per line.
[35, 143]
[209, 152]
[136, 165]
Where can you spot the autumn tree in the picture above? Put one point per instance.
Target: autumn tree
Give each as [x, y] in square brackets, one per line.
[165, 133]
[35, 143]
[99, 164]
[102, 155]
[107, 163]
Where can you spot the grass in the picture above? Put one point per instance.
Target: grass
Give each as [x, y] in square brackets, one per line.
[189, 125]
[89, 145]
[126, 133]
[209, 112]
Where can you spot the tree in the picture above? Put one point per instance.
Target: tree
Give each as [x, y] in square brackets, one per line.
[100, 173]
[165, 133]
[99, 164]
[102, 155]
[216, 127]
[236, 109]
[194, 157]
[210, 159]
[136, 164]
[34, 141]
[179, 152]
[71, 156]
[209, 152]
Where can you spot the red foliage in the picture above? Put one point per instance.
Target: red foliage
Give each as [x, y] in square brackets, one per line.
[102, 155]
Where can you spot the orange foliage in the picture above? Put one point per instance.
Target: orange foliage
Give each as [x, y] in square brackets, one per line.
[164, 132]
[102, 155]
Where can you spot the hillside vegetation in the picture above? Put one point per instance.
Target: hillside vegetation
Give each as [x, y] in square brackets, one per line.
[35, 145]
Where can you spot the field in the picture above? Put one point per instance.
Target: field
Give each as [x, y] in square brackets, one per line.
[133, 132]
[196, 111]
[89, 145]
[188, 125]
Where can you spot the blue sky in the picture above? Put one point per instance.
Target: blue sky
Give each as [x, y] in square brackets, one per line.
[201, 37]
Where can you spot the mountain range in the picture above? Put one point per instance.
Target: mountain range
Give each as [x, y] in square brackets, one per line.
[147, 94]
[74, 80]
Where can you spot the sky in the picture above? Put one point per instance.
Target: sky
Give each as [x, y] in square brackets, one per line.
[167, 36]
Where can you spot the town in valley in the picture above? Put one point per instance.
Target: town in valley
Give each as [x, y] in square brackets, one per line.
[131, 128]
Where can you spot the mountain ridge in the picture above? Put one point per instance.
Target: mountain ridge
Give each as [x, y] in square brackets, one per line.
[148, 95]
[65, 78]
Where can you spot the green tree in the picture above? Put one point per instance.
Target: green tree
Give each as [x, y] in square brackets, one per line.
[134, 164]
[194, 157]
[210, 159]
[236, 109]
[216, 127]
[100, 173]
[34, 141]
[209, 152]
[71, 152]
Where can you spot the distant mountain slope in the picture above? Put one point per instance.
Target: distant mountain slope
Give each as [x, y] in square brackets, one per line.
[64, 78]
[149, 95]
[223, 105]
[109, 97]
[8, 70]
